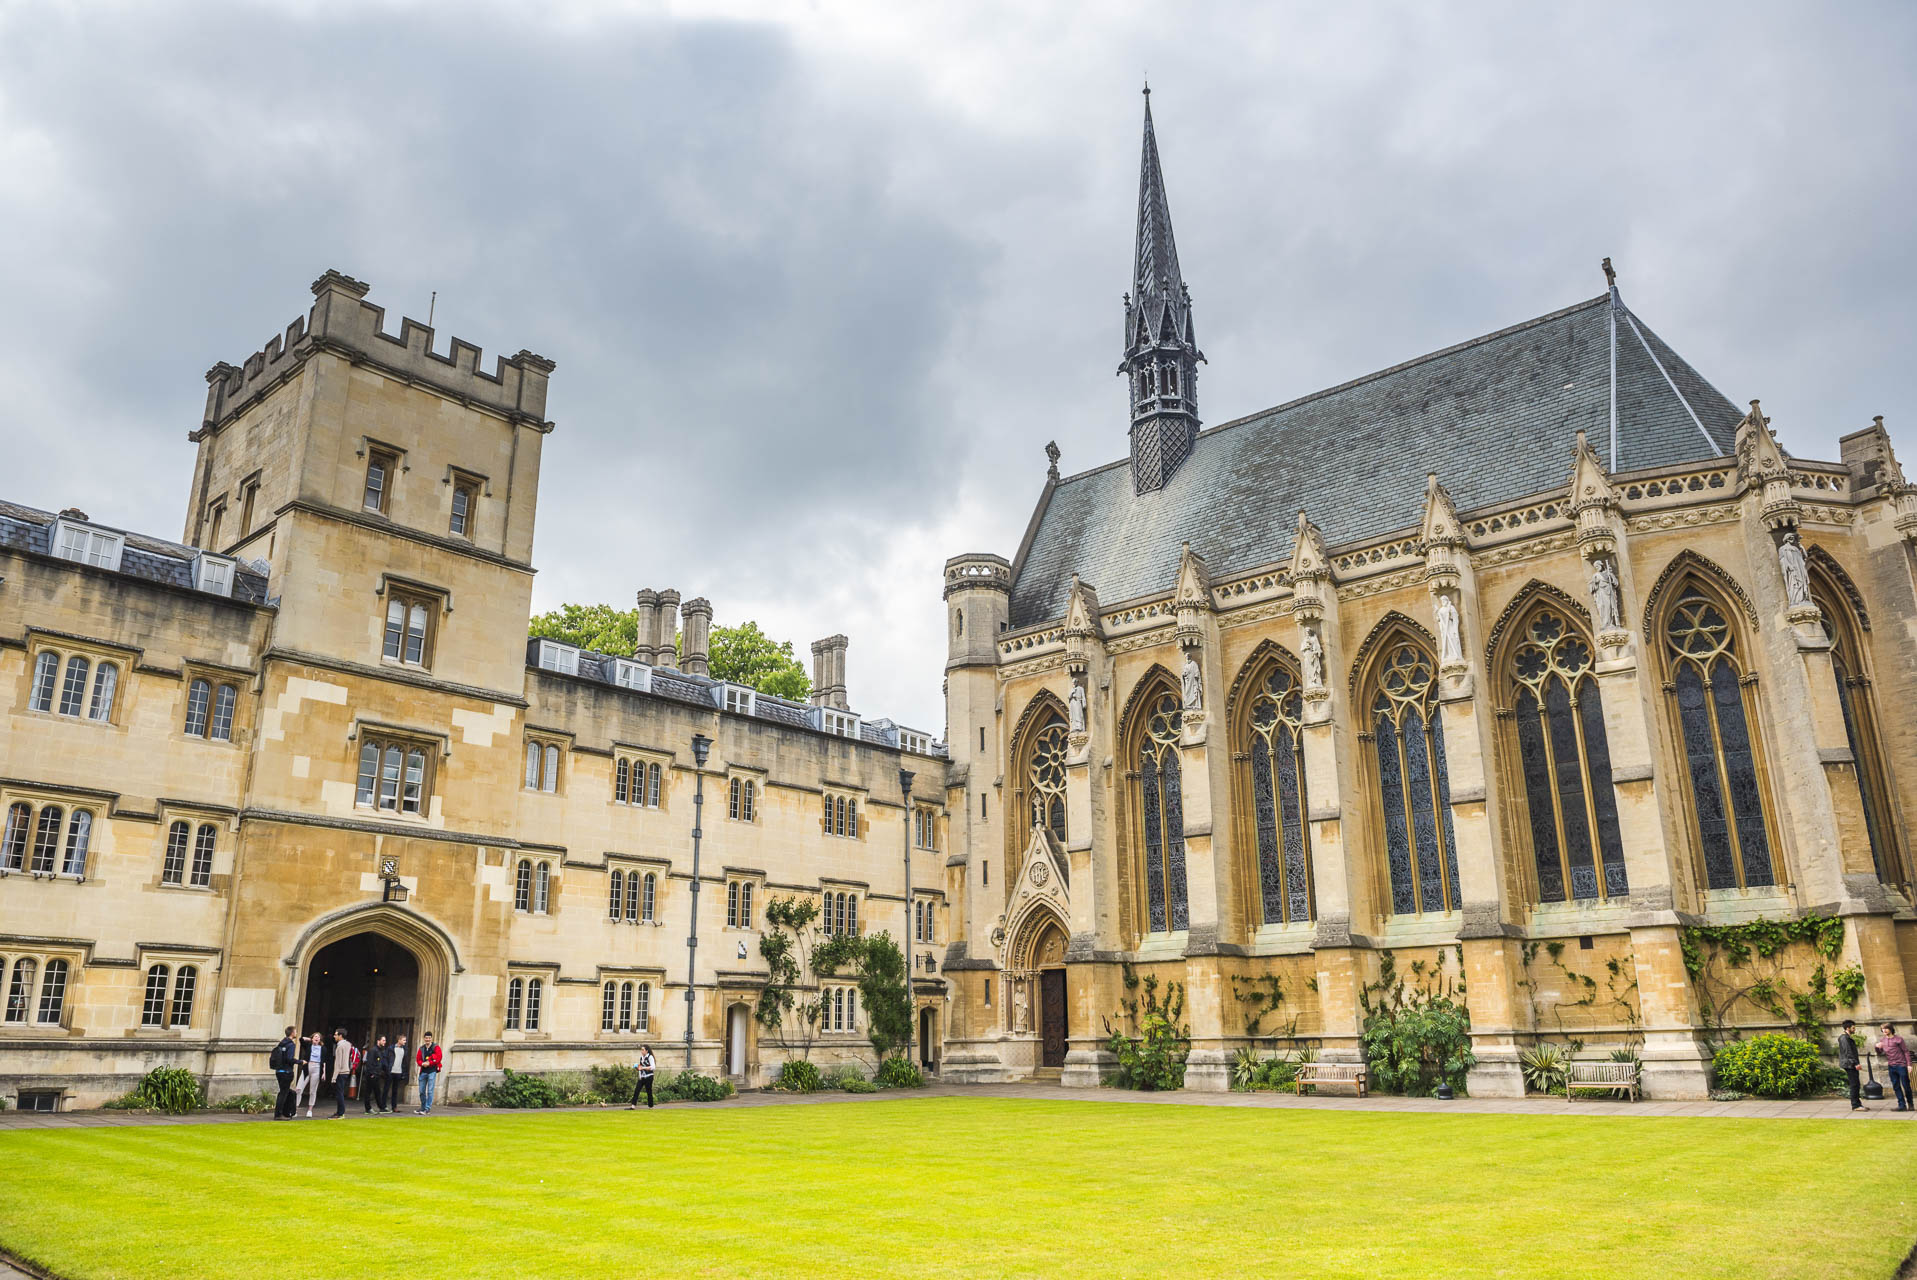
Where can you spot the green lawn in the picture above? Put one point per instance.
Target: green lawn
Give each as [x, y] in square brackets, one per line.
[964, 1188]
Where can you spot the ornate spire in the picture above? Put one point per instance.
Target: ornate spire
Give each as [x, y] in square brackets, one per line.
[1161, 348]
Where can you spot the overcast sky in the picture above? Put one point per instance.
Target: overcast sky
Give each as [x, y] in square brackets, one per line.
[822, 279]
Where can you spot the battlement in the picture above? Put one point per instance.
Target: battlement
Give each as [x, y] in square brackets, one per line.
[341, 320]
[977, 570]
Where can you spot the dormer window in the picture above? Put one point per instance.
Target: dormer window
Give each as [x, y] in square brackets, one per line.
[738, 700]
[628, 674]
[562, 658]
[839, 723]
[85, 545]
[213, 574]
[915, 742]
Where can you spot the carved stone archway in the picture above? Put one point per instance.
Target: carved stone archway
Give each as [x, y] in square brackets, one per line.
[431, 947]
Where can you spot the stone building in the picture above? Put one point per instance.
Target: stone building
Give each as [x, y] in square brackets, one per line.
[1511, 662]
[303, 766]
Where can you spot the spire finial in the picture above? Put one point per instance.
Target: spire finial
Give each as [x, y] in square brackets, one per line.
[1051, 457]
[1610, 276]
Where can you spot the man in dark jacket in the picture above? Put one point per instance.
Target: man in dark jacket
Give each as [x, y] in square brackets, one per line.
[286, 1056]
[373, 1069]
[397, 1071]
[1847, 1059]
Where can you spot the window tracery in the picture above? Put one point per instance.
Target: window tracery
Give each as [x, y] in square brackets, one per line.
[1275, 747]
[1161, 804]
[1413, 788]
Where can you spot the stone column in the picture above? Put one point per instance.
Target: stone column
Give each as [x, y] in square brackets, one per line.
[828, 673]
[695, 625]
[665, 649]
[1091, 846]
[646, 647]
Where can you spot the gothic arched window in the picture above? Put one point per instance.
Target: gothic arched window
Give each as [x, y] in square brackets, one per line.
[1275, 759]
[1720, 747]
[1565, 761]
[616, 895]
[1413, 790]
[1844, 627]
[1046, 778]
[1161, 804]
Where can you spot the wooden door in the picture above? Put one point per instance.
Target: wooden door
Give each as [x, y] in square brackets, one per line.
[1051, 1017]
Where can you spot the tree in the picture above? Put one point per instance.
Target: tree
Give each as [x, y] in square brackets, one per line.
[746, 655]
[598, 627]
[790, 1010]
[880, 968]
[742, 655]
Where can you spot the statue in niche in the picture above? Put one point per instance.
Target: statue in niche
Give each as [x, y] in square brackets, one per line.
[1313, 659]
[1193, 683]
[1075, 707]
[1450, 647]
[1020, 1023]
[1790, 558]
[1604, 596]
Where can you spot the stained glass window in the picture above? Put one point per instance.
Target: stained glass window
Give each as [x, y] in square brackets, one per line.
[1420, 847]
[1719, 750]
[1860, 730]
[1565, 762]
[1278, 798]
[1162, 801]
[1047, 779]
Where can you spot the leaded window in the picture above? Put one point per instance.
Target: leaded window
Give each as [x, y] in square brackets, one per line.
[181, 1013]
[642, 1008]
[53, 993]
[153, 1009]
[1860, 730]
[617, 895]
[73, 692]
[20, 989]
[542, 888]
[13, 845]
[198, 694]
[1161, 801]
[1566, 763]
[203, 842]
[1707, 684]
[221, 729]
[46, 674]
[522, 886]
[79, 837]
[106, 681]
[606, 995]
[515, 993]
[625, 1006]
[649, 891]
[46, 839]
[1047, 779]
[1413, 789]
[534, 988]
[173, 867]
[1278, 798]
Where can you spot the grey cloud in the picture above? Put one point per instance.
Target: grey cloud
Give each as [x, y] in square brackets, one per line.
[818, 301]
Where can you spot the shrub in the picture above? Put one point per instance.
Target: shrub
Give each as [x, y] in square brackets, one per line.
[1413, 1048]
[1543, 1066]
[1154, 1059]
[1252, 1074]
[898, 1073]
[1769, 1066]
[799, 1076]
[691, 1086]
[518, 1091]
[173, 1090]
[574, 1089]
[251, 1104]
[859, 1084]
[844, 1076]
[615, 1083]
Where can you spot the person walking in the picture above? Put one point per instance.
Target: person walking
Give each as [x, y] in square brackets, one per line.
[373, 1070]
[429, 1059]
[284, 1062]
[1896, 1054]
[312, 1072]
[343, 1066]
[644, 1080]
[1848, 1060]
[402, 1060]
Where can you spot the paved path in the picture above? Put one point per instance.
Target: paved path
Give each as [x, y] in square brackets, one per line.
[1811, 1109]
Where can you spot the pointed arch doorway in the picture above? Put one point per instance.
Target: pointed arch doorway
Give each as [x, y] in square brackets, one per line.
[1051, 1018]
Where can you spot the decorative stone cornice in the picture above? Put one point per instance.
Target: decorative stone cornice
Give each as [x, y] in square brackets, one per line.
[1763, 468]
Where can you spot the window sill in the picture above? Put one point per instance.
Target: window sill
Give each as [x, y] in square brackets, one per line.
[46, 875]
[1162, 946]
[185, 888]
[1283, 939]
[389, 815]
[1579, 916]
[1421, 928]
[1738, 906]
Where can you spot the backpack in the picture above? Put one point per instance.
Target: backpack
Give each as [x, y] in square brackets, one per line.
[354, 1059]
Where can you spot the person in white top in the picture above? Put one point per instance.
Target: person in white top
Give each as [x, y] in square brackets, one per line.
[644, 1083]
[312, 1068]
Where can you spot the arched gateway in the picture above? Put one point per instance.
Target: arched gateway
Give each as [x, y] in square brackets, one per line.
[373, 970]
[1039, 1000]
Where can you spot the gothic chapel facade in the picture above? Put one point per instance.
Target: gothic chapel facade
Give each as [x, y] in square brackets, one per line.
[1501, 667]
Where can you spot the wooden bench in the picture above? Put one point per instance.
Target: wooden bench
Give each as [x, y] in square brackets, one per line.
[1324, 1073]
[1601, 1077]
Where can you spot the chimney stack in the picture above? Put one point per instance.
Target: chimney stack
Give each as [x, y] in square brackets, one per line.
[665, 620]
[646, 646]
[695, 624]
[828, 673]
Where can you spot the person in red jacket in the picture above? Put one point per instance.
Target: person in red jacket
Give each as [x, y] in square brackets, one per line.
[429, 1063]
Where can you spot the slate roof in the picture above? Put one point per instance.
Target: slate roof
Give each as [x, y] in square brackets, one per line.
[142, 556]
[1495, 418]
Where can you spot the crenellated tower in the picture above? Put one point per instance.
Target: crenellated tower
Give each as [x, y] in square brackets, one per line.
[1161, 348]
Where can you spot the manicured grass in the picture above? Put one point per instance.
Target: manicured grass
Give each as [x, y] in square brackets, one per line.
[965, 1187]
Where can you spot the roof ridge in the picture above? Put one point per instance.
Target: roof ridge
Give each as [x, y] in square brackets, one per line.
[1402, 365]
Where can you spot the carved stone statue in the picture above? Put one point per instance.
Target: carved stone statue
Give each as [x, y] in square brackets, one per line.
[1020, 1022]
[1450, 647]
[1790, 558]
[1313, 659]
[1075, 707]
[1604, 596]
[1194, 684]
